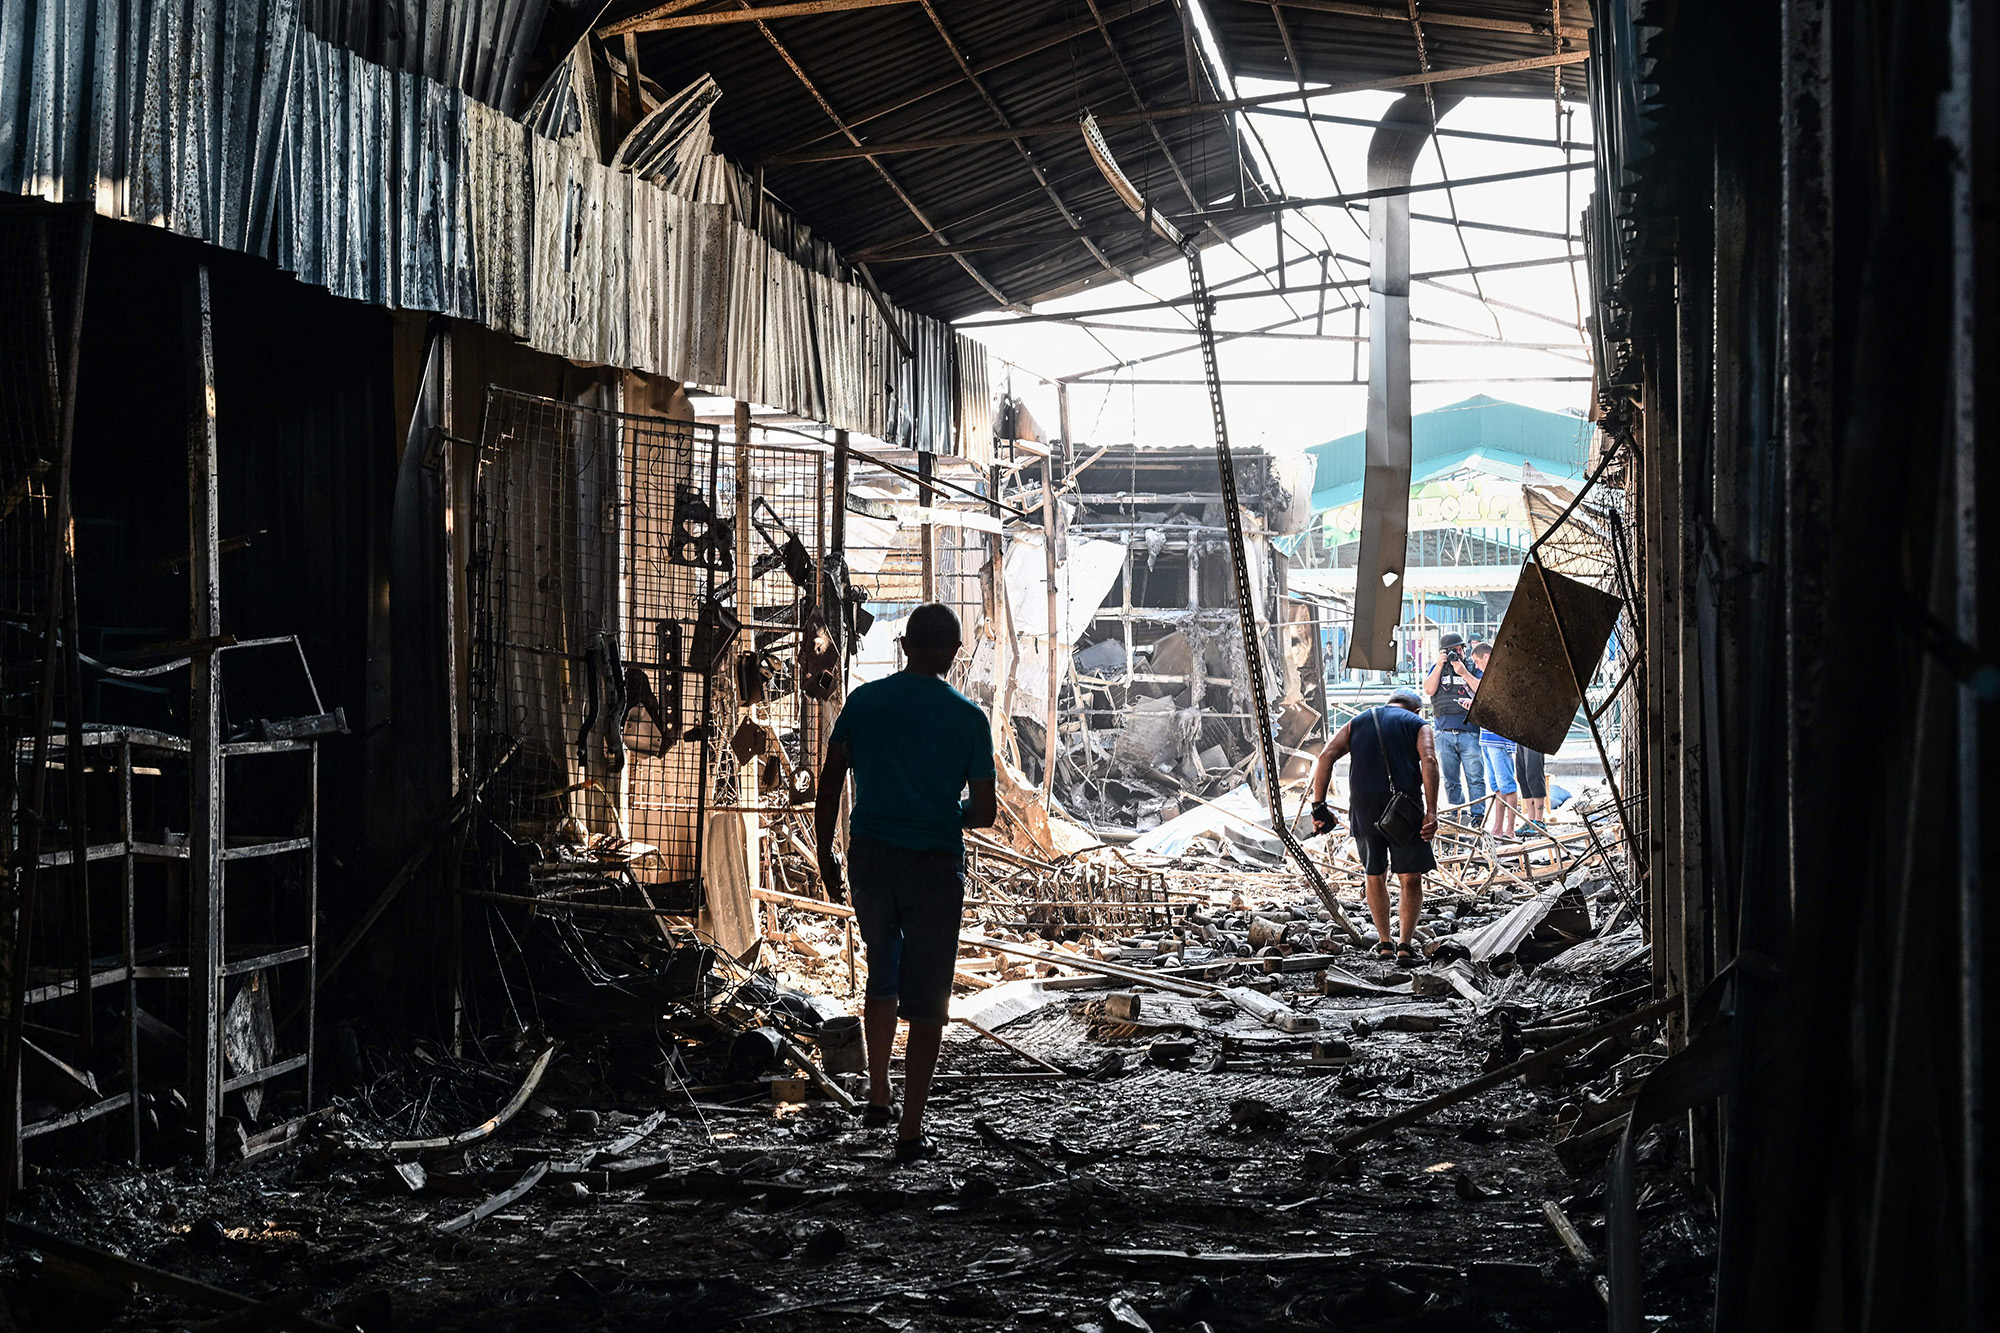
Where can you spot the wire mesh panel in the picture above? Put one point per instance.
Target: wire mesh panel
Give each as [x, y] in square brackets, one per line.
[680, 631]
[599, 551]
[772, 691]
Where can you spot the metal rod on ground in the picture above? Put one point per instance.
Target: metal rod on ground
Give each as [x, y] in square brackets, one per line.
[1002, 1042]
[1507, 1074]
[158, 1279]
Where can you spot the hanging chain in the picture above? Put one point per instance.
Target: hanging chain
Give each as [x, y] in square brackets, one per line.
[1246, 607]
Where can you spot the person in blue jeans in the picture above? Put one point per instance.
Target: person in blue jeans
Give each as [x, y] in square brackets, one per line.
[922, 758]
[1497, 752]
[1450, 686]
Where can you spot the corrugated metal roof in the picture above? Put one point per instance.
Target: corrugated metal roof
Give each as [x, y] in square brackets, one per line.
[242, 129]
[889, 75]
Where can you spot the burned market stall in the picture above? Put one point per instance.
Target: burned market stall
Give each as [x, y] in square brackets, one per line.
[458, 465]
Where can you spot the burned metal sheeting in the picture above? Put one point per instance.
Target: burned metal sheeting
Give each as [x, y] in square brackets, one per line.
[1553, 638]
[241, 128]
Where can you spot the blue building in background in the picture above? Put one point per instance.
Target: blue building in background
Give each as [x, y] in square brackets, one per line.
[1469, 528]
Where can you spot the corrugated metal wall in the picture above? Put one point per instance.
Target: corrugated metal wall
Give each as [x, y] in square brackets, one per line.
[232, 124]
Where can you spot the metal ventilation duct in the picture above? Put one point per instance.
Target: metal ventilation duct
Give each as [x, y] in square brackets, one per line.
[1385, 486]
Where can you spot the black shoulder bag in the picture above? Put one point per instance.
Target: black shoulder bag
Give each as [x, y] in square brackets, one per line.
[1403, 818]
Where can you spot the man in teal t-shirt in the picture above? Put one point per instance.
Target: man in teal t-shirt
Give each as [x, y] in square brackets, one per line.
[914, 745]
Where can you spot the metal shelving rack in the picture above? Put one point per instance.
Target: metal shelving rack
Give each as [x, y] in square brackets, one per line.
[134, 754]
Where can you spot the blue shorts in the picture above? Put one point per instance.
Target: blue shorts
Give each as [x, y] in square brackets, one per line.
[1500, 768]
[907, 905]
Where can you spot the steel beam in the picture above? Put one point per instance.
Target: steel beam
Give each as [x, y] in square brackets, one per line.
[1173, 302]
[1435, 18]
[668, 17]
[205, 836]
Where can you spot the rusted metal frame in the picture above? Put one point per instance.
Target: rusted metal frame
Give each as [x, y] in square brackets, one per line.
[1049, 681]
[75, 762]
[1175, 112]
[1045, 42]
[890, 315]
[1041, 177]
[1319, 142]
[1526, 27]
[1631, 662]
[312, 918]
[668, 17]
[34, 809]
[888, 178]
[1495, 302]
[1109, 226]
[1274, 332]
[1603, 463]
[1190, 347]
[205, 828]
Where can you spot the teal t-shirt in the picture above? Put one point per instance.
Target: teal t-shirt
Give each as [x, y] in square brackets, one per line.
[915, 743]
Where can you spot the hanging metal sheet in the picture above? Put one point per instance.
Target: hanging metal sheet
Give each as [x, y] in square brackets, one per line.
[1553, 638]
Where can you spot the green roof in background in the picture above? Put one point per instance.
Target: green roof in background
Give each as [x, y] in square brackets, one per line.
[1555, 442]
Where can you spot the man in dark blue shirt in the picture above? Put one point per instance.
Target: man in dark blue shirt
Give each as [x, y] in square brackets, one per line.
[914, 744]
[1393, 752]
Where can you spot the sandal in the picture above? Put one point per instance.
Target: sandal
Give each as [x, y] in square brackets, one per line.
[916, 1149]
[1409, 955]
[880, 1115]
[1384, 950]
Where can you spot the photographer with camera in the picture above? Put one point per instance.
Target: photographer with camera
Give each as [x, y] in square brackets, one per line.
[1450, 685]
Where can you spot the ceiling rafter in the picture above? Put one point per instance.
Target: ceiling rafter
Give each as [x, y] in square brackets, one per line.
[888, 177]
[1172, 112]
[1437, 18]
[1063, 210]
[670, 16]
[1046, 42]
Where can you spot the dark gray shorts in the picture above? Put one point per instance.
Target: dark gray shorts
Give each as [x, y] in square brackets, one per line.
[1528, 767]
[907, 905]
[1378, 854]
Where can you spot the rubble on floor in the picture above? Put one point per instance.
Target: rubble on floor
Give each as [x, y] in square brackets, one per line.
[1174, 1095]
